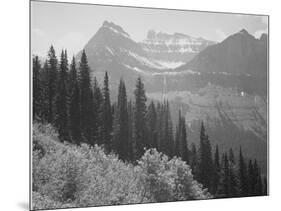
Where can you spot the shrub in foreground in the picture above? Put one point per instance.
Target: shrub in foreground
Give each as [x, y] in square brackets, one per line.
[66, 175]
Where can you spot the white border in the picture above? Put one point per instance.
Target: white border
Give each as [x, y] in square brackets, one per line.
[14, 114]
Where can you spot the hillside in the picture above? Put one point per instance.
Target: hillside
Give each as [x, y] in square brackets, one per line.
[66, 175]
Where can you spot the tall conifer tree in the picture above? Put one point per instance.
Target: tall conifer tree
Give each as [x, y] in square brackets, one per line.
[121, 126]
[45, 92]
[167, 137]
[225, 177]
[233, 177]
[106, 114]
[160, 127]
[61, 117]
[74, 105]
[152, 124]
[132, 145]
[205, 160]
[97, 118]
[140, 119]
[181, 148]
[86, 100]
[243, 181]
[194, 161]
[51, 83]
[37, 89]
[216, 170]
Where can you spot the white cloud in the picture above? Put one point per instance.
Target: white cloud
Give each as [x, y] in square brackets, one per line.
[220, 35]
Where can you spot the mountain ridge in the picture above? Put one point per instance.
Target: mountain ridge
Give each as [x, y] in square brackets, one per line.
[239, 53]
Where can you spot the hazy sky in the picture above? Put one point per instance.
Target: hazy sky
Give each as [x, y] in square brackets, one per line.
[72, 25]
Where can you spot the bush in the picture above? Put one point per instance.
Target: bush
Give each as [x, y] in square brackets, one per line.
[168, 180]
[66, 175]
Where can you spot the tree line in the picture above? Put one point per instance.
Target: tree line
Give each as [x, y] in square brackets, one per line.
[82, 112]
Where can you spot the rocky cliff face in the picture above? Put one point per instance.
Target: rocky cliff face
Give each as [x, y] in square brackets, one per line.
[173, 50]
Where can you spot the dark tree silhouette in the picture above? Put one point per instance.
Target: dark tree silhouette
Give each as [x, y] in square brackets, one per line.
[120, 140]
[61, 115]
[106, 115]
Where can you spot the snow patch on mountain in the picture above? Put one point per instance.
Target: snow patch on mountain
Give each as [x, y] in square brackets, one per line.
[177, 42]
[169, 64]
[165, 73]
[115, 28]
[176, 73]
[118, 32]
[109, 50]
[170, 49]
[137, 69]
[145, 61]
[152, 63]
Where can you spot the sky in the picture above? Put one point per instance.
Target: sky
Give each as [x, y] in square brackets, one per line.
[70, 26]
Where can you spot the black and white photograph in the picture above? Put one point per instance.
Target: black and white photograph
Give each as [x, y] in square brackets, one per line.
[136, 105]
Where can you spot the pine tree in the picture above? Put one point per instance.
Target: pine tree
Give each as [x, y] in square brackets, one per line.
[37, 89]
[167, 137]
[132, 145]
[51, 83]
[107, 117]
[194, 161]
[251, 179]
[181, 148]
[61, 117]
[97, 114]
[160, 127]
[205, 160]
[152, 124]
[86, 100]
[233, 177]
[120, 140]
[216, 171]
[45, 92]
[140, 119]
[176, 147]
[243, 181]
[74, 105]
[225, 179]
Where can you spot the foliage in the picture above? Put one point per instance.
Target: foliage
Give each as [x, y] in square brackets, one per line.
[67, 175]
[167, 179]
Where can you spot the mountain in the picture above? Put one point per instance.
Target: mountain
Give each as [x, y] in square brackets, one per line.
[173, 50]
[112, 49]
[111, 46]
[239, 54]
[223, 84]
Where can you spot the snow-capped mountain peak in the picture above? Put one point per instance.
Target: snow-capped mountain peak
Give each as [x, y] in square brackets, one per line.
[177, 47]
[115, 28]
